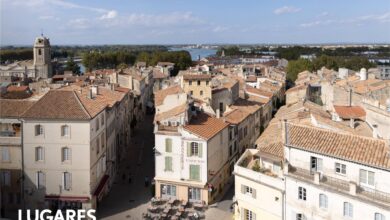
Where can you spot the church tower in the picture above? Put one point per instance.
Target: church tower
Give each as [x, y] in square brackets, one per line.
[42, 58]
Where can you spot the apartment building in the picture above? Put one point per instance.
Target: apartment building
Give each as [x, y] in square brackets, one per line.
[337, 176]
[68, 147]
[197, 85]
[11, 129]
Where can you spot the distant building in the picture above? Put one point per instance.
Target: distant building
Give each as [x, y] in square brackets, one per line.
[38, 68]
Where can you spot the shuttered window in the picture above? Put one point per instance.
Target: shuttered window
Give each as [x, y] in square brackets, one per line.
[65, 131]
[67, 181]
[39, 154]
[66, 154]
[168, 163]
[194, 172]
[301, 193]
[38, 130]
[168, 145]
[323, 199]
[5, 157]
[40, 180]
[348, 210]
[379, 216]
[194, 149]
[246, 190]
[367, 177]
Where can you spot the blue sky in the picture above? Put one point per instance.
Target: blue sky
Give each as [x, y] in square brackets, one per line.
[195, 21]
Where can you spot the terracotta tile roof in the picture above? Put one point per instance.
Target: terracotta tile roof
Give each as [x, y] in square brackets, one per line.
[258, 91]
[296, 88]
[159, 75]
[236, 116]
[196, 76]
[205, 126]
[57, 104]
[276, 149]
[14, 108]
[71, 102]
[160, 95]
[258, 99]
[17, 88]
[369, 151]
[348, 112]
[170, 113]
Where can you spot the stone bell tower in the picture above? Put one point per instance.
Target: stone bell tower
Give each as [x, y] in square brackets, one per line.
[42, 58]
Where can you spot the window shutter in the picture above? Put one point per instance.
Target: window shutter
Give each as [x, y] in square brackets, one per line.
[173, 190]
[43, 179]
[371, 177]
[345, 209]
[166, 163]
[69, 154]
[70, 181]
[254, 193]
[242, 189]
[362, 176]
[319, 164]
[63, 181]
[37, 179]
[188, 149]
[200, 149]
[36, 154]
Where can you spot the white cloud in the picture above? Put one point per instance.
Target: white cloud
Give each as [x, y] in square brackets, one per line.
[286, 10]
[175, 18]
[220, 29]
[323, 14]
[358, 20]
[109, 15]
[79, 23]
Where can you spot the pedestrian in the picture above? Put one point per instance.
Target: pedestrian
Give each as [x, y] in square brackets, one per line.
[146, 181]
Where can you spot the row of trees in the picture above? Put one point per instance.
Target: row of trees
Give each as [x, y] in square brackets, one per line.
[123, 59]
[354, 63]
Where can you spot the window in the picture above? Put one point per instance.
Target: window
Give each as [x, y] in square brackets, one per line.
[340, 168]
[367, 177]
[299, 216]
[348, 209]
[97, 145]
[194, 172]
[65, 131]
[39, 156]
[276, 167]
[249, 215]
[65, 154]
[5, 178]
[198, 82]
[168, 145]
[5, 157]
[323, 201]
[67, 181]
[38, 130]
[194, 149]
[201, 92]
[246, 190]
[168, 190]
[207, 83]
[379, 216]
[194, 194]
[97, 124]
[316, 164]
[168, 163]
[190, 82]
[191, 92]
[301, 193]
[102, 140]
[40, 180]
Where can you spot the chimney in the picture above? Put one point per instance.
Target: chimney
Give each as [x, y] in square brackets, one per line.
[350, 97]
[218, 113]
[95, 90]
[89, 94]
[352, 123]
[352, 188]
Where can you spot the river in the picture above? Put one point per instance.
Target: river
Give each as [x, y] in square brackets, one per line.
[196, 52]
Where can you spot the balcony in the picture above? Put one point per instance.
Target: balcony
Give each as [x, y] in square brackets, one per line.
[249, 166]
[340, 186]
[168, 128]
[10, 138]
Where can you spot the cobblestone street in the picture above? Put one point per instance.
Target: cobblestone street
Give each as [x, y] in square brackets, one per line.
[129, 200]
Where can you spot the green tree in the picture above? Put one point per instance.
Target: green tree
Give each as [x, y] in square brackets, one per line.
[72, 66]
[296, 66]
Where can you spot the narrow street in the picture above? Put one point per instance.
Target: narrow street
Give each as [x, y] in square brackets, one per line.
[129, 200]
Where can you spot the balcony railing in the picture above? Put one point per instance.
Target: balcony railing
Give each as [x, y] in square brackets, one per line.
[343, 186]
[16, 140]
[167, 128]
